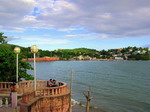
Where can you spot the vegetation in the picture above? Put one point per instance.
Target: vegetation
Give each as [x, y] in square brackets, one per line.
[8, 63]
[66, 54]
[125, 53]
[3, 38]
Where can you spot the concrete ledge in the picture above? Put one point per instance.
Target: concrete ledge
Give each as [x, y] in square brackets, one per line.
[41, 97]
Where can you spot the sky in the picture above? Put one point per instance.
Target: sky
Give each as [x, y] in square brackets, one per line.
[68, 24]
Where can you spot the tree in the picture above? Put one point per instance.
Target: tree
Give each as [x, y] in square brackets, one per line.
[3, 38]
[8, 63]
[8, 66]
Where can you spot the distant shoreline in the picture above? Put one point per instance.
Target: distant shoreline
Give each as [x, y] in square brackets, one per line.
[31, 60]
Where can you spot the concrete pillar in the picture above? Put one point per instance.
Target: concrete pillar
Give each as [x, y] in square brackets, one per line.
[6, 102]
[1, 103]
[44, 92]
[5, 85]
[14, 99]
[56, 91]
[52, 91]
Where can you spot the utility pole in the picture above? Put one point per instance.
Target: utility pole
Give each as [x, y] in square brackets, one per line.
[71, 78]
[88, 98]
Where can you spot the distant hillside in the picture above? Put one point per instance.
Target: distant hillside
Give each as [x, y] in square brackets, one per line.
[69, 54]
[7, 46]
[24, 51]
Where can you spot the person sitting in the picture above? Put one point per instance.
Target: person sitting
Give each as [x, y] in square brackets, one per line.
[50, 83]
[54, 84]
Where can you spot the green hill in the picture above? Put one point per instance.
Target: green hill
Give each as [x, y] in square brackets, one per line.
[67, 54]
[7, 46]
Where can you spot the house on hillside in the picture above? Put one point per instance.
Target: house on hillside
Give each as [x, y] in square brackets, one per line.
[81, 57]
[118, 58]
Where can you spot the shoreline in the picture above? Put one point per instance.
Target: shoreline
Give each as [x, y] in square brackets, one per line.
[79, 108]
[78, 60]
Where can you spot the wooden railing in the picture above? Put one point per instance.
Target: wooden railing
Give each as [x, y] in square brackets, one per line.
[39, 84]
[26, 88]
[27, 84]
[54, 90]
[4, 101]
[5, 85]
[42, 89]
[30, 99]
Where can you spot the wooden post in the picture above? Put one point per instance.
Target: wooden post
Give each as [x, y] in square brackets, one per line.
[88, 98]
[71, 78]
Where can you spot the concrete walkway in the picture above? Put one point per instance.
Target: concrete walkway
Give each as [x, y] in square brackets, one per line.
[9, 109]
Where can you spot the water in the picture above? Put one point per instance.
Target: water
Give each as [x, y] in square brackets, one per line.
[117, 86]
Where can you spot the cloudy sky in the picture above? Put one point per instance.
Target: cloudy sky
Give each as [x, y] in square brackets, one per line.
[96, 24]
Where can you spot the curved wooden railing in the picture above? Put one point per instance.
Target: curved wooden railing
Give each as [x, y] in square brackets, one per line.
[45, 91]
[53, 90]
[29, 97]
[30, 83]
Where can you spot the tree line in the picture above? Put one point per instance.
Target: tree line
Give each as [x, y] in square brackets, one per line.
[8, 57]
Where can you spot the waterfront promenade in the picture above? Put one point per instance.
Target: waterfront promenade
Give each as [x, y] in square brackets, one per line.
[44, 99]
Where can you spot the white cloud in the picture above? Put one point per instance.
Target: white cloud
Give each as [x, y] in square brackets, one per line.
[99, 36]
[11, 38]
[44, 41]
[112, 18]
[12, 13]
[89, 36]
[77, 35]
[67, 29]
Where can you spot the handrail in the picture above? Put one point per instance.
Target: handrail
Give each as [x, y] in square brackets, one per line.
[26, 86]
[53, 90]
[43, 90]
[39, 83]
[5, 85]
[32, 99]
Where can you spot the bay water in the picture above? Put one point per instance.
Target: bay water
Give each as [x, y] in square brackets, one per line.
[117, 86]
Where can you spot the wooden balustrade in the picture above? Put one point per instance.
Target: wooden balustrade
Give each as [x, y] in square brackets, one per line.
[43, 90]
[26, 88]
[30, 97]
[39, 83]
[26, 84]
[4, 101]
[5, 85]
[54, 90]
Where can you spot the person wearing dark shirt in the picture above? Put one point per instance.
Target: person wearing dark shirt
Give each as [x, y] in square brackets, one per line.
[54, 83]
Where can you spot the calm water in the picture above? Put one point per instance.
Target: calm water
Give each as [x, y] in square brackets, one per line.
[117, 86]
